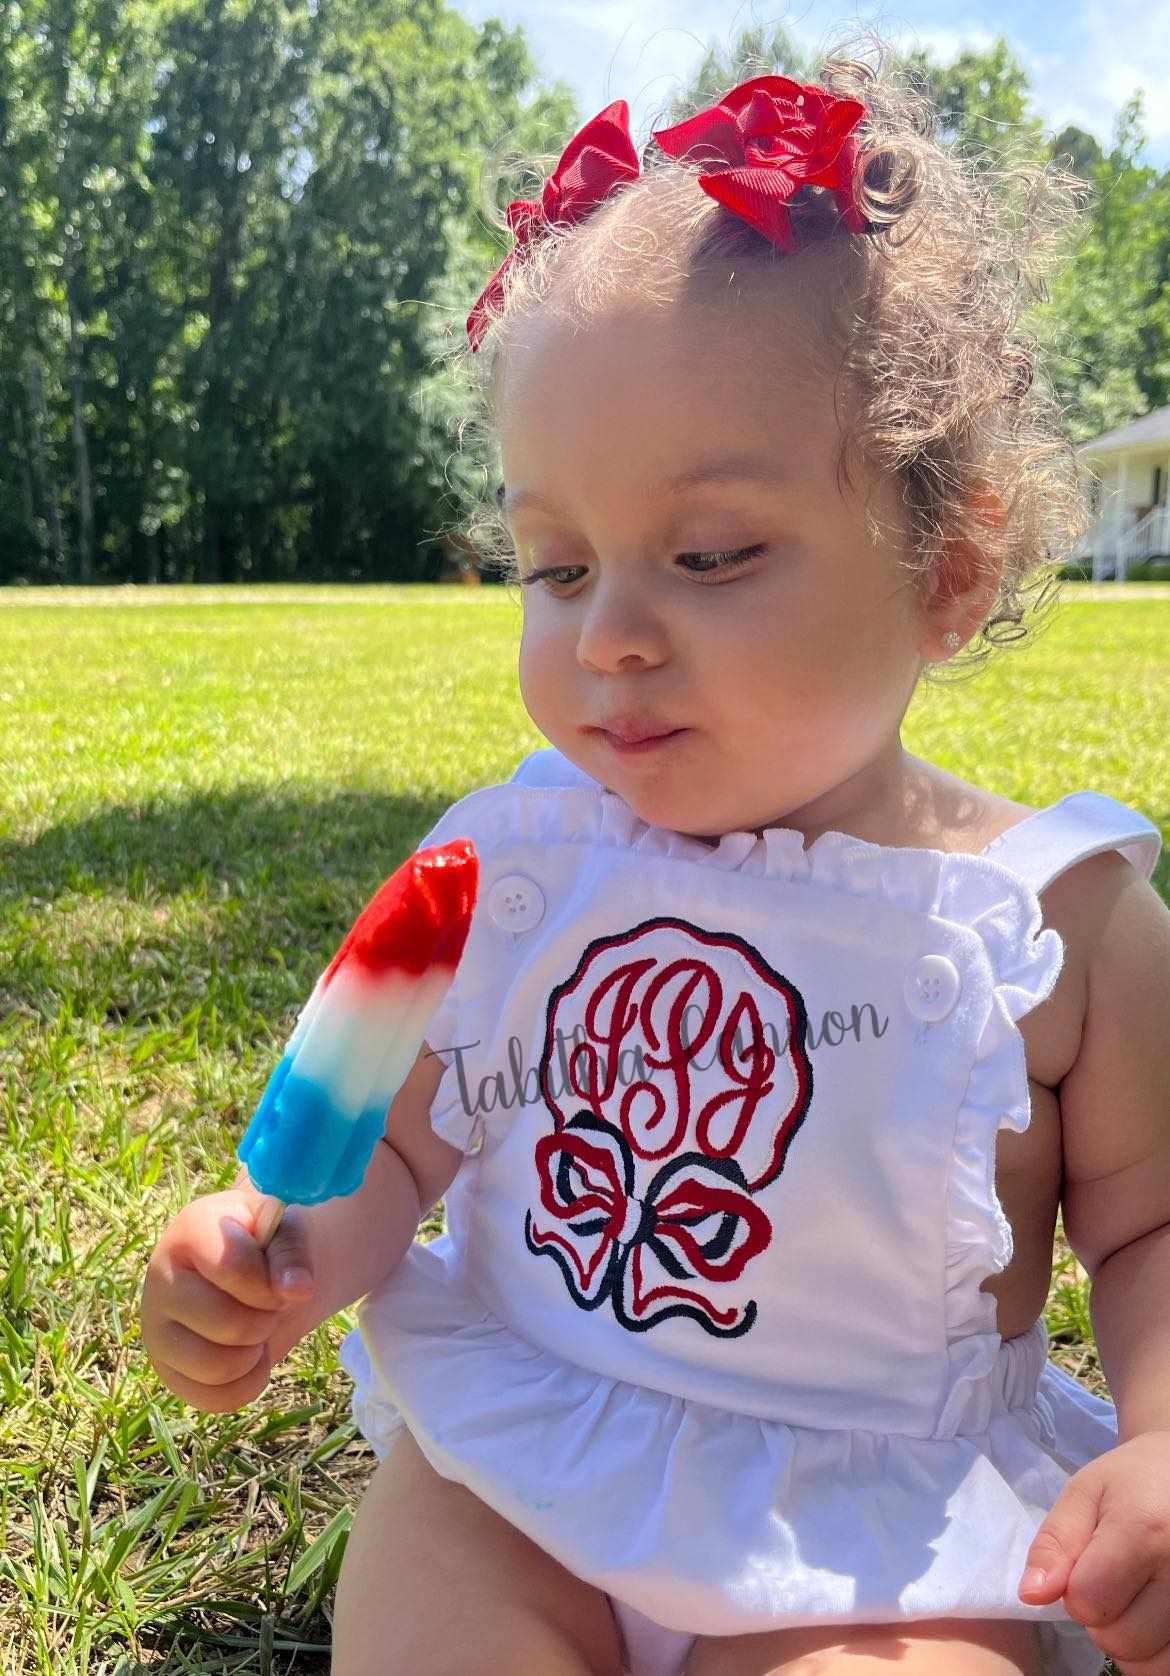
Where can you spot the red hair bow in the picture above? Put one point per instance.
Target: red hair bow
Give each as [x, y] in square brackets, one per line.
[766, 139]
[596, 160]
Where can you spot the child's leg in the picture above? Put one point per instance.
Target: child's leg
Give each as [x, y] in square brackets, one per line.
[954, 1646]
[436, 1583]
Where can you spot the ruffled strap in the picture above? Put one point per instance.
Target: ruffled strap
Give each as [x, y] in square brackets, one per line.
[1026, 961]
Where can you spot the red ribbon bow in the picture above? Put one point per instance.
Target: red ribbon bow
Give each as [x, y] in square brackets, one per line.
[765, 140]
[596, 160]
[694, 1223]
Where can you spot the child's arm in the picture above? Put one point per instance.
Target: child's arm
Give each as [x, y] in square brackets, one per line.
[1104, 1546]
[218, 1313]
[349, 1245]
[1115, 1116]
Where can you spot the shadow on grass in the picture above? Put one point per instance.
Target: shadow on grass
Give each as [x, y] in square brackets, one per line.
[189, 931]
[222, 896]
[235, 899]
[239, 1642]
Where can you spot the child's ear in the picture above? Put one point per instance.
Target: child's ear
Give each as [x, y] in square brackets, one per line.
[963, 590]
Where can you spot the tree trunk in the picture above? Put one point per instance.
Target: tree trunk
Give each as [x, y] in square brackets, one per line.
[148, 538]
[80, 439]
[42, 477]
[27, 503]
[221, 298]
[211, 556]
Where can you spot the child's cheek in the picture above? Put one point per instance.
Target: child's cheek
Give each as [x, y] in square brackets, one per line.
[543, 651]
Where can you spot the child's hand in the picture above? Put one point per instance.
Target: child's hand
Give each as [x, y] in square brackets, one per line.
[1105, 1546]
[217, 1312]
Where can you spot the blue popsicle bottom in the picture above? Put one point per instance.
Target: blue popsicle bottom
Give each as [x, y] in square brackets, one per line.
[299, 1148]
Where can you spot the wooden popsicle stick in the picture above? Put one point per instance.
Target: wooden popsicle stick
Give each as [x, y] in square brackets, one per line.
[268, 1221]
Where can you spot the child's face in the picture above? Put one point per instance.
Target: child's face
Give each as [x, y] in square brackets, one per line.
[788, 675]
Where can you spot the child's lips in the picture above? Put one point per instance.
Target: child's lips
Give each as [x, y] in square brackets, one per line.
[646, 742]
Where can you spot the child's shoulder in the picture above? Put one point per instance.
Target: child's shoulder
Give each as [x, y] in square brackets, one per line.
[1091, 858]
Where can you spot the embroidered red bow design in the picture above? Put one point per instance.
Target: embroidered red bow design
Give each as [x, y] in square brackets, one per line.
[694, 1223]
[766, 139]
[596, 160]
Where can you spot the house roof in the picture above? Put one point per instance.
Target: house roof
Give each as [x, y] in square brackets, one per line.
[1148, 431]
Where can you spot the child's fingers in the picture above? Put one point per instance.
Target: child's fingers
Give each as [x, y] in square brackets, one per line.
[1143, 1629]
[1113, 1569]
[196, 1358]
[216, 1399]
[288, 1262]
[228, 1256]
[215, 1314]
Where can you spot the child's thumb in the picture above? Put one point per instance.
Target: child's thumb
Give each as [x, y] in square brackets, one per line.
[289, 1265]
[1060, 1541]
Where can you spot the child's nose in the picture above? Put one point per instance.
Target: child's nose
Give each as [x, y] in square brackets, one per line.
[620, 628]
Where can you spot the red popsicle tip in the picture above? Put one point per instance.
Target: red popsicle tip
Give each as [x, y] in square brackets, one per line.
[419, 918]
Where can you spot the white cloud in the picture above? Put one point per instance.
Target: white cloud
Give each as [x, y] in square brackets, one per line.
[1130, 51]
[947, 42]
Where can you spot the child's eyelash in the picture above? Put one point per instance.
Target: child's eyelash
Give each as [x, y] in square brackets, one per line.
[726, 561]
[723, 561]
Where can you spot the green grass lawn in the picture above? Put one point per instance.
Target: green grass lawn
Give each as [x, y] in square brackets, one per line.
[200, 790]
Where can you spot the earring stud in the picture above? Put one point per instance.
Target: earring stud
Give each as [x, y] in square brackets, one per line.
[952, 640]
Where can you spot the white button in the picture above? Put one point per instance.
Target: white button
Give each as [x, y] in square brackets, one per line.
[516, 903]
[932, 987]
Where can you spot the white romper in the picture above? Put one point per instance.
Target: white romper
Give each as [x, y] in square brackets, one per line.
[706, 1322]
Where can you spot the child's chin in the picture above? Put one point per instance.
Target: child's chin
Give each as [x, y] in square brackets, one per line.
[673, 813]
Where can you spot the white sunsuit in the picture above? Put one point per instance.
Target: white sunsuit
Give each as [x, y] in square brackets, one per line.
[706, 1322]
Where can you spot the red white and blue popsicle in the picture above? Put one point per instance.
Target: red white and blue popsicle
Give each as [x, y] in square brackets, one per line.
[360, 1032]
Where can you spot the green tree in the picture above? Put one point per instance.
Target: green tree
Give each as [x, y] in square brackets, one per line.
[755, 52]
[1075, 150]
[229, 233]
[237, 235]
[1106, 325]
[982, 100]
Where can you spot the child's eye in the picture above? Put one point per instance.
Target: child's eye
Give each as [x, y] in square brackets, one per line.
[712, 563]
[556, 574]
[724, 561]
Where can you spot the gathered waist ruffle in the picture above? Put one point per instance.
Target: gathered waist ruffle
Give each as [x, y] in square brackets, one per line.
[991, 1376]
[994, 1376]
[721, 1523]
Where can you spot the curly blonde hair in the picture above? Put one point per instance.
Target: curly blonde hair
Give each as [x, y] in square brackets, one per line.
[935, 375]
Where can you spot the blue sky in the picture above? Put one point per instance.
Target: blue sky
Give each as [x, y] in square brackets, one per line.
[1084, 57]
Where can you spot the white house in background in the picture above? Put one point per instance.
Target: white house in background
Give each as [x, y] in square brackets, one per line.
[1131, 466]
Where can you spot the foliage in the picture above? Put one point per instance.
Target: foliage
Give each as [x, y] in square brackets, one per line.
[225, 233]
[1106, 325]
[234, 239]
[982, 101]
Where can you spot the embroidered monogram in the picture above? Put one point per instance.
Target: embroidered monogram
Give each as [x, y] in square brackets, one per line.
[715, 1112]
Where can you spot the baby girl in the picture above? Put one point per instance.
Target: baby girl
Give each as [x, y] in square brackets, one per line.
[774, 1048]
